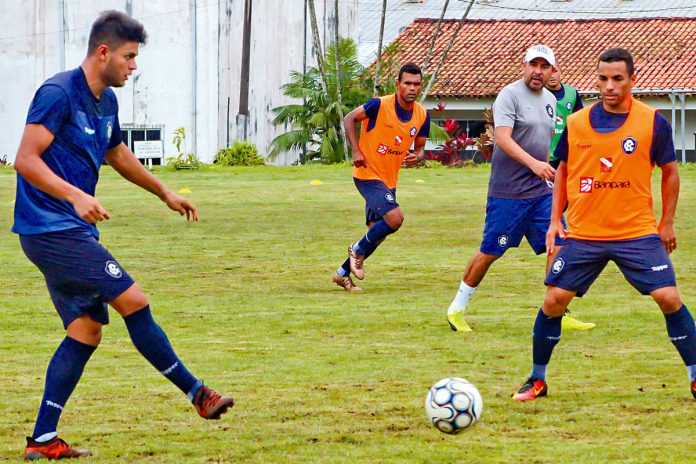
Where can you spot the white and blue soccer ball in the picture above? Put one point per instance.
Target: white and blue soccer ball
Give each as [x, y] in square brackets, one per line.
[453, 405]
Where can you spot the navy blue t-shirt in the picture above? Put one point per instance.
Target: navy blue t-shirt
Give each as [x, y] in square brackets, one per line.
[604, 122]
[404, 115]
[85, 128]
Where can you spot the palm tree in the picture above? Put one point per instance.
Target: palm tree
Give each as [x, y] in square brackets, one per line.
[317, 123]
[316, 43]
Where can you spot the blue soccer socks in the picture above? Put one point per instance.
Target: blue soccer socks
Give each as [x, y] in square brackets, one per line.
[682, 333]
[62, 375]
[344, 269]
[368, 244]
[153, 344]
[378, 232]
[547, 333]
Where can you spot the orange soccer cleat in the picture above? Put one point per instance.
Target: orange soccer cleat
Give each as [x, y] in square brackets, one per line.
[531, 390]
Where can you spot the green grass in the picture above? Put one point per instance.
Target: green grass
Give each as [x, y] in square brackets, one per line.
[324, 376]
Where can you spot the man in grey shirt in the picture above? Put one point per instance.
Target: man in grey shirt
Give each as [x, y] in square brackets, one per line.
[520, 188]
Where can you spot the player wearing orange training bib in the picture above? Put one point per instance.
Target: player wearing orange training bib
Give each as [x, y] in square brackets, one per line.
[607, 153]
[391, 125]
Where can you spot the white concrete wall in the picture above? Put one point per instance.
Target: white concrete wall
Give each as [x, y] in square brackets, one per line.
[162, 91]
[278, 45]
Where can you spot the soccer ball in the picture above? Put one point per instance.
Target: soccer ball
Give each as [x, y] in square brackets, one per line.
[453, 405]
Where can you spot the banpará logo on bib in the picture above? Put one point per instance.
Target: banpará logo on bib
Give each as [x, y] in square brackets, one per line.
[586, 184]
[413, 131]
[549, 111]
[113, 269]
[389, 197]
[557, 265]
[503, 241]
[629, 145]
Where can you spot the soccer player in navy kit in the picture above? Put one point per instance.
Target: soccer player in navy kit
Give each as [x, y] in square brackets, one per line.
[72, 127]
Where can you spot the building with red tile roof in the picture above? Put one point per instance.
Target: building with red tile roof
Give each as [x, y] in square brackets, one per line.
[488, 54]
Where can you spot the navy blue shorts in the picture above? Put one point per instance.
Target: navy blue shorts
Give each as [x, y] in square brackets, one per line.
[508, 220]
[643, 262]
[80, 273]
[379, 199]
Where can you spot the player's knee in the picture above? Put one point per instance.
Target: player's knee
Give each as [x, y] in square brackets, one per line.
[130, 301]
[667, 299]
[555, 302]
[485, 258]
[395, 219]
[85, 330]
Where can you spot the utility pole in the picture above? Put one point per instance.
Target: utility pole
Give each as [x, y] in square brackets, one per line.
[342, 132]
[375, 89]
[243, 114]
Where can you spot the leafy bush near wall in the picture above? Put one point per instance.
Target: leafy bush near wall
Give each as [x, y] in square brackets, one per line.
[241, 153]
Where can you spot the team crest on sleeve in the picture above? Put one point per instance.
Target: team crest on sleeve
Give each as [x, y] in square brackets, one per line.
[629, 145]
[109, 130]
[113, 269]
[549, 111]
[558, 265]
[413, 131]
[503, 241]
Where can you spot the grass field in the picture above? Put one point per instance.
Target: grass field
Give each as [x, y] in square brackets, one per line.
[323, 376]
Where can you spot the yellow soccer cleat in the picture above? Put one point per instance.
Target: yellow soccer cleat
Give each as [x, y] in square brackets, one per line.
[457, 322]
[570, 323]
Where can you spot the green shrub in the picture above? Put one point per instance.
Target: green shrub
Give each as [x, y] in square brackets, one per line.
[189, 161]
[241, 153]
[183, 160]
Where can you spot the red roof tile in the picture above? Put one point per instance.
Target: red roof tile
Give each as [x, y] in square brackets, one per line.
[487, 54]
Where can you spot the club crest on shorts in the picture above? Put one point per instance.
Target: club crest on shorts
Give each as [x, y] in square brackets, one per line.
[629, 145]
[549, 111]
[413, 131]
[503, 241]
[389, 197]
[113, 269]
[558, 265]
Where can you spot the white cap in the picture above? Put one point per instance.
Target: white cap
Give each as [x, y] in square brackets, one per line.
[540, 51]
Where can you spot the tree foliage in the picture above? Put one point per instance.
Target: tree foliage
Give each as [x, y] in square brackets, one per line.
[314, 126]
[316, 123]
